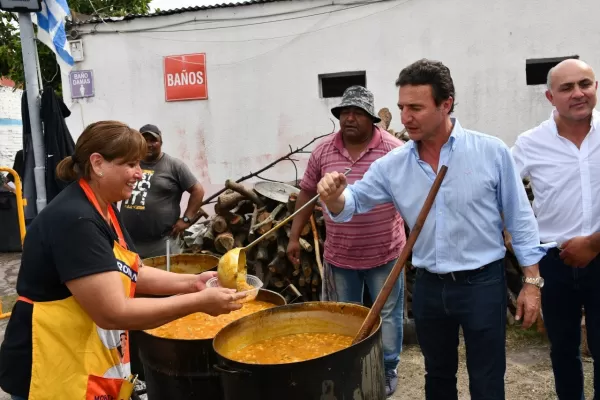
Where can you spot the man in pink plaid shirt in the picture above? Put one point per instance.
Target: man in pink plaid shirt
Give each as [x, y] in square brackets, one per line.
[363, 250]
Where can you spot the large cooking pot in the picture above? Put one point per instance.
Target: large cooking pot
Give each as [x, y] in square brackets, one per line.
[183, 369]
[356, 372]
[180, 264]
[184, 263]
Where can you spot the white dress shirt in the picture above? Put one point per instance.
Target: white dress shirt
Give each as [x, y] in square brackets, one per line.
[565, 180]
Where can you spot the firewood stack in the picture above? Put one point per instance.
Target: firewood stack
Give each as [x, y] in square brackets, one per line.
[241, 216]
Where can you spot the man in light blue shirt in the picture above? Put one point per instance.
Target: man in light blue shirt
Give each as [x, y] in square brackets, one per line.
[459, 253]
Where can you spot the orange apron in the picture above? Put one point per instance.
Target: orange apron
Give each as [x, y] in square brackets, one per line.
[72, 357]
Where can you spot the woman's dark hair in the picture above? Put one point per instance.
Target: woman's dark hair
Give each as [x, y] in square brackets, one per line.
[111, 139]
[433, 73]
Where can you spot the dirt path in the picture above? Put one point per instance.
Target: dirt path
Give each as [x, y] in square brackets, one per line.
[528, 370]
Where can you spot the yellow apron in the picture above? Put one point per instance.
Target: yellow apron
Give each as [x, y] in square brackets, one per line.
[72, 357]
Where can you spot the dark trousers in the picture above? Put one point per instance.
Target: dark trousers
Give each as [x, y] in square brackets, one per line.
[566, 290]
[475, 301]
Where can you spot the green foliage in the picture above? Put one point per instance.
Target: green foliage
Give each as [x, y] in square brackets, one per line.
[110, 8]
[10, 47]
[11, 59]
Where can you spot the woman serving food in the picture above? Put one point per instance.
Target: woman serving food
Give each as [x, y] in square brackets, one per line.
[67, 335]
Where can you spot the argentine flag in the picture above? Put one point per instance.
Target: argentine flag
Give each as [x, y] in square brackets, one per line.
[51, 31]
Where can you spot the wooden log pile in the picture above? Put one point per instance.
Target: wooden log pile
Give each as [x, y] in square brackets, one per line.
[241, 216]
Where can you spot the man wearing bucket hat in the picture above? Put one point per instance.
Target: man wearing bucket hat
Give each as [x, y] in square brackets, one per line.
[363, 251]
[153, 211]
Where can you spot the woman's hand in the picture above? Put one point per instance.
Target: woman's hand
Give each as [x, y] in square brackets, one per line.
[216, 301]
[158, 282]
[103, 299]
[200, 282]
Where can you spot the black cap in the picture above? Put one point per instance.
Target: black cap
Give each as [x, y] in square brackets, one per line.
[151, 129]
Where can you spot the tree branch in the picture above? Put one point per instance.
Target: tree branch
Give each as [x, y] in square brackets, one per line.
[282, 158]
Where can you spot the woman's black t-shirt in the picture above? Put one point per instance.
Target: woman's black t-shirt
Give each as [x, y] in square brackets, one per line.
[69, 239]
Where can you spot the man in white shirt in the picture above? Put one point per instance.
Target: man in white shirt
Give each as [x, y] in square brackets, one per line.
[561, 156]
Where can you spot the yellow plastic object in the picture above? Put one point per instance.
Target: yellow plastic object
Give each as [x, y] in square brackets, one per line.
[21, 202]
[232, 268]
[4, 315]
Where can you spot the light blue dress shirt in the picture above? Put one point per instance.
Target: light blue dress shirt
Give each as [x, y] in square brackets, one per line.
[463, 230]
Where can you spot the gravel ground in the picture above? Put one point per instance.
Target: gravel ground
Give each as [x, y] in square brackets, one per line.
[528, 370]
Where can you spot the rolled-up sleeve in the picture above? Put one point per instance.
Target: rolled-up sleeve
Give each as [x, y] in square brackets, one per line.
[518, 214]
[366, 193]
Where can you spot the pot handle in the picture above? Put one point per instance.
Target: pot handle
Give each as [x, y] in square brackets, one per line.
[226, 370]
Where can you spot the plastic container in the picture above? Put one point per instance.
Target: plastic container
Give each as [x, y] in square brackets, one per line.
[250, 280]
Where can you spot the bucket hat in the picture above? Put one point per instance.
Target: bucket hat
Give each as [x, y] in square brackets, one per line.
[357, 96]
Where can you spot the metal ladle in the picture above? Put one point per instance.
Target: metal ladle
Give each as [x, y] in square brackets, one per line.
[232, 266]
[168, 241]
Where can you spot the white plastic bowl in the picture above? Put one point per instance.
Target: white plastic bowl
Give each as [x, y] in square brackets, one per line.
[250, 280]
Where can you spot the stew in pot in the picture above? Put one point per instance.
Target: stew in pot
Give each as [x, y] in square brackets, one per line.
[291, 348]
[203, 326]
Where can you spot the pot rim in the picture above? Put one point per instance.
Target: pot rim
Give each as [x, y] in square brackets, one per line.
[162, 260]
[282, 309]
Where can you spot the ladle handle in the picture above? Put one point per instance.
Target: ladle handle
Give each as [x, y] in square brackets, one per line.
[287, 219]
[168, 250]
[388, 286]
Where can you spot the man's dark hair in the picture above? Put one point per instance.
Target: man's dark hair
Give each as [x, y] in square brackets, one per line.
[429, 72]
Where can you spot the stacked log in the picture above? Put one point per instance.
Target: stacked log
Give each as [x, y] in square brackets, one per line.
[243, 215]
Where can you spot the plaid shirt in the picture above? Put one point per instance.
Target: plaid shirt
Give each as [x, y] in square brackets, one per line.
[368, 240]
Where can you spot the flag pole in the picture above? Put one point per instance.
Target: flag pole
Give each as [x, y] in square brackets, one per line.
[33, 103]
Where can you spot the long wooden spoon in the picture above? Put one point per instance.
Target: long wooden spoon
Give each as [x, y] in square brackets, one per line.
[388, 286]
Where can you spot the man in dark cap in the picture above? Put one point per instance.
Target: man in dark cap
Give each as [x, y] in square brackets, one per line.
[153, 211]
[363, 251]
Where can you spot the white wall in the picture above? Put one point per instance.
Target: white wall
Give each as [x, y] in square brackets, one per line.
[264, 93]
[11, 129]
